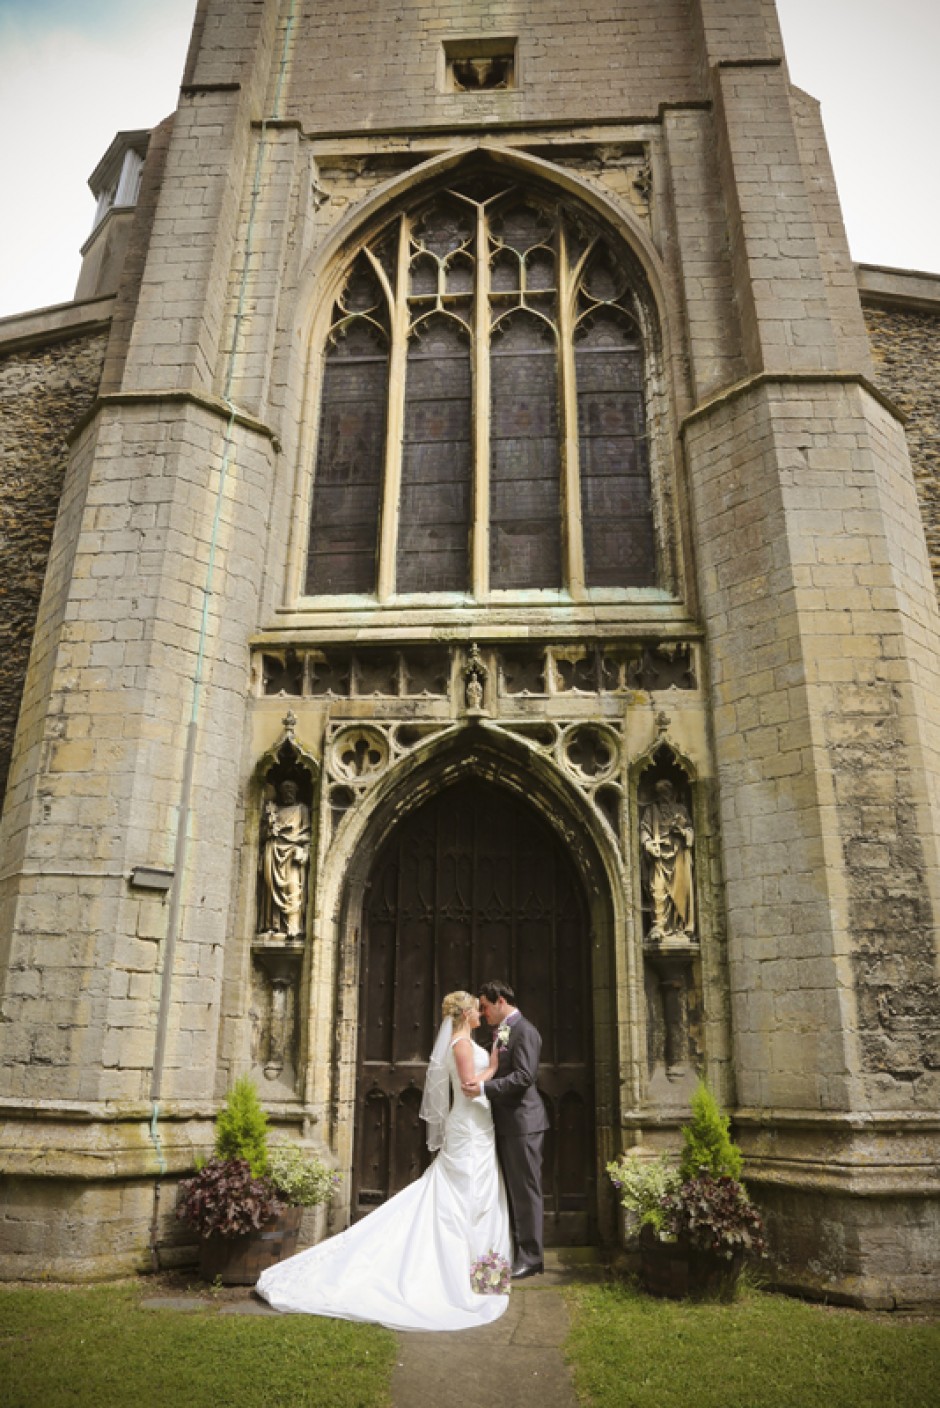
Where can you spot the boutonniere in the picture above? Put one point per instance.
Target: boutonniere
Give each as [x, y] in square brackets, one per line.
[502, 1035]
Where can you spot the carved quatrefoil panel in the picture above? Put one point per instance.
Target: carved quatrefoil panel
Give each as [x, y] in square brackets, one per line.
[591, 752]
[358, 754]
[590, 755]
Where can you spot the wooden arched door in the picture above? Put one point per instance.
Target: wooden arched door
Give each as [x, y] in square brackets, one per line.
[474, 885]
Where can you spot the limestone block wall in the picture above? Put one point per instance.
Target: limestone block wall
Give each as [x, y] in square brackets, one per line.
[44, 390]
[166, 502]
[825, 776]
[360, 66]
[96, 789]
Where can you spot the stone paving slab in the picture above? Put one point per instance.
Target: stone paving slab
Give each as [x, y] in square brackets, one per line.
[175, 1303]
[523, 1349]
[248, 1307]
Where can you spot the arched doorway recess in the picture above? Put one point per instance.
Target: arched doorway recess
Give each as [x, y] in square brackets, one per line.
[474, 884]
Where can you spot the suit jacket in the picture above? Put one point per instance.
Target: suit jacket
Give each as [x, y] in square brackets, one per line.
[518, 1107]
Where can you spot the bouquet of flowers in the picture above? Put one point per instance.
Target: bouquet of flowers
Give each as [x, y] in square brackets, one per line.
[489, 1275]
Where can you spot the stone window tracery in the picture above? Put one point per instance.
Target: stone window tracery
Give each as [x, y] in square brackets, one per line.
[483, 418]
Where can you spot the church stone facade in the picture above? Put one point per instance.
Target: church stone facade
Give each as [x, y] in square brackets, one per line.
[485, 546]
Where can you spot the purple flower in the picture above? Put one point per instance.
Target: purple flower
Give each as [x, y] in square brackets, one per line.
[490, 1275]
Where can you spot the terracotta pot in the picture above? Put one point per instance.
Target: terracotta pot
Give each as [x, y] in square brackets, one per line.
[239, 1261]
[677, 1271]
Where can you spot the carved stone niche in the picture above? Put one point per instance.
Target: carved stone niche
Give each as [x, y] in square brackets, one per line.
[667, 871]
[672, 972]
[286, 780]
[667, 850]
[284, 840]
[276, 986]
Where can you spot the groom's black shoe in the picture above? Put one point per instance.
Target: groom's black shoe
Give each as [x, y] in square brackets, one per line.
[523, 1269]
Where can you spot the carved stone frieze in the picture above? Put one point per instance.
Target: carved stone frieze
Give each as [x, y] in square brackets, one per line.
[520, 671]
[608, 667]
[342, 673]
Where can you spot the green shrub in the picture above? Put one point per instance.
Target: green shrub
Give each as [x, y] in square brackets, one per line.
[707, 1143]
[300, 1178]
[241, 1128]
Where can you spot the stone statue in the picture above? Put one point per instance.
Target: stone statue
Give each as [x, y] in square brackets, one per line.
[285, 852]
[475, 673]
[667, 840]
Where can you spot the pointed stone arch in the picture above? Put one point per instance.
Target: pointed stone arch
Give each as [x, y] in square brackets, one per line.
[663, 387]
[488, 757]
[321, 273]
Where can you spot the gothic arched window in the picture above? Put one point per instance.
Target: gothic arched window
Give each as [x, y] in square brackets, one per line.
[483, 421]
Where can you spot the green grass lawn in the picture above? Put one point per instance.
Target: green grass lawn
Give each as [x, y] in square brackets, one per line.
[627, 1350]
[97, 1348]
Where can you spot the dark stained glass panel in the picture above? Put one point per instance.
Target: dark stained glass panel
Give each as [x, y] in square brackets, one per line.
[436, 499]
[616, 504]
[525, 496]
[350, 463]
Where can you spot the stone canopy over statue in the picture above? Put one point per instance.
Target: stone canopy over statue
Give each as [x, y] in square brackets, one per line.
[284, 859]
[667, 841]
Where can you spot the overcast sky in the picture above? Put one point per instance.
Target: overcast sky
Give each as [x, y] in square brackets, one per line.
[74, 72]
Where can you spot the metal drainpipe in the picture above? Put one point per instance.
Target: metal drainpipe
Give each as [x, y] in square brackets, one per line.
[189, 757]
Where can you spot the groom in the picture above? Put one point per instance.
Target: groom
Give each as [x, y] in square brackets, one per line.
[519, 1119]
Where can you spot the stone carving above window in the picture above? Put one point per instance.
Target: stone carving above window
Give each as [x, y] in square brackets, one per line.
[480, 65]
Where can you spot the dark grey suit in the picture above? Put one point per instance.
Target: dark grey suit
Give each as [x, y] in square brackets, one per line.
[520, 1121]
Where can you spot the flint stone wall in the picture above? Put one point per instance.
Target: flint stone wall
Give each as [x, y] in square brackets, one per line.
[905, 348]
[43, 392]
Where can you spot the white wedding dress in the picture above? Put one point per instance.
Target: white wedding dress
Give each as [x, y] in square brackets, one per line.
[407, 1265]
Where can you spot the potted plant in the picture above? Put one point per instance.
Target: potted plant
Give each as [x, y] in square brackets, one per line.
[697, 1222]
[246, 1203]
[642, 1183]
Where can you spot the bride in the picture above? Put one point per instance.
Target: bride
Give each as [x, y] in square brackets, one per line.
[407, 1265]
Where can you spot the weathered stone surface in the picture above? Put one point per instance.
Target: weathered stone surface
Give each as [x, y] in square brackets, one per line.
[43, 392]
[783, 670]
[877, 1252]
[906, 352]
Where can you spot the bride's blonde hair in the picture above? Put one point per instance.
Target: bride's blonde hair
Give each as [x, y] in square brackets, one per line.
[455, 1004]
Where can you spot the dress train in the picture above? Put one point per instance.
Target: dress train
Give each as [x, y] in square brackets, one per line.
[407, 1264]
